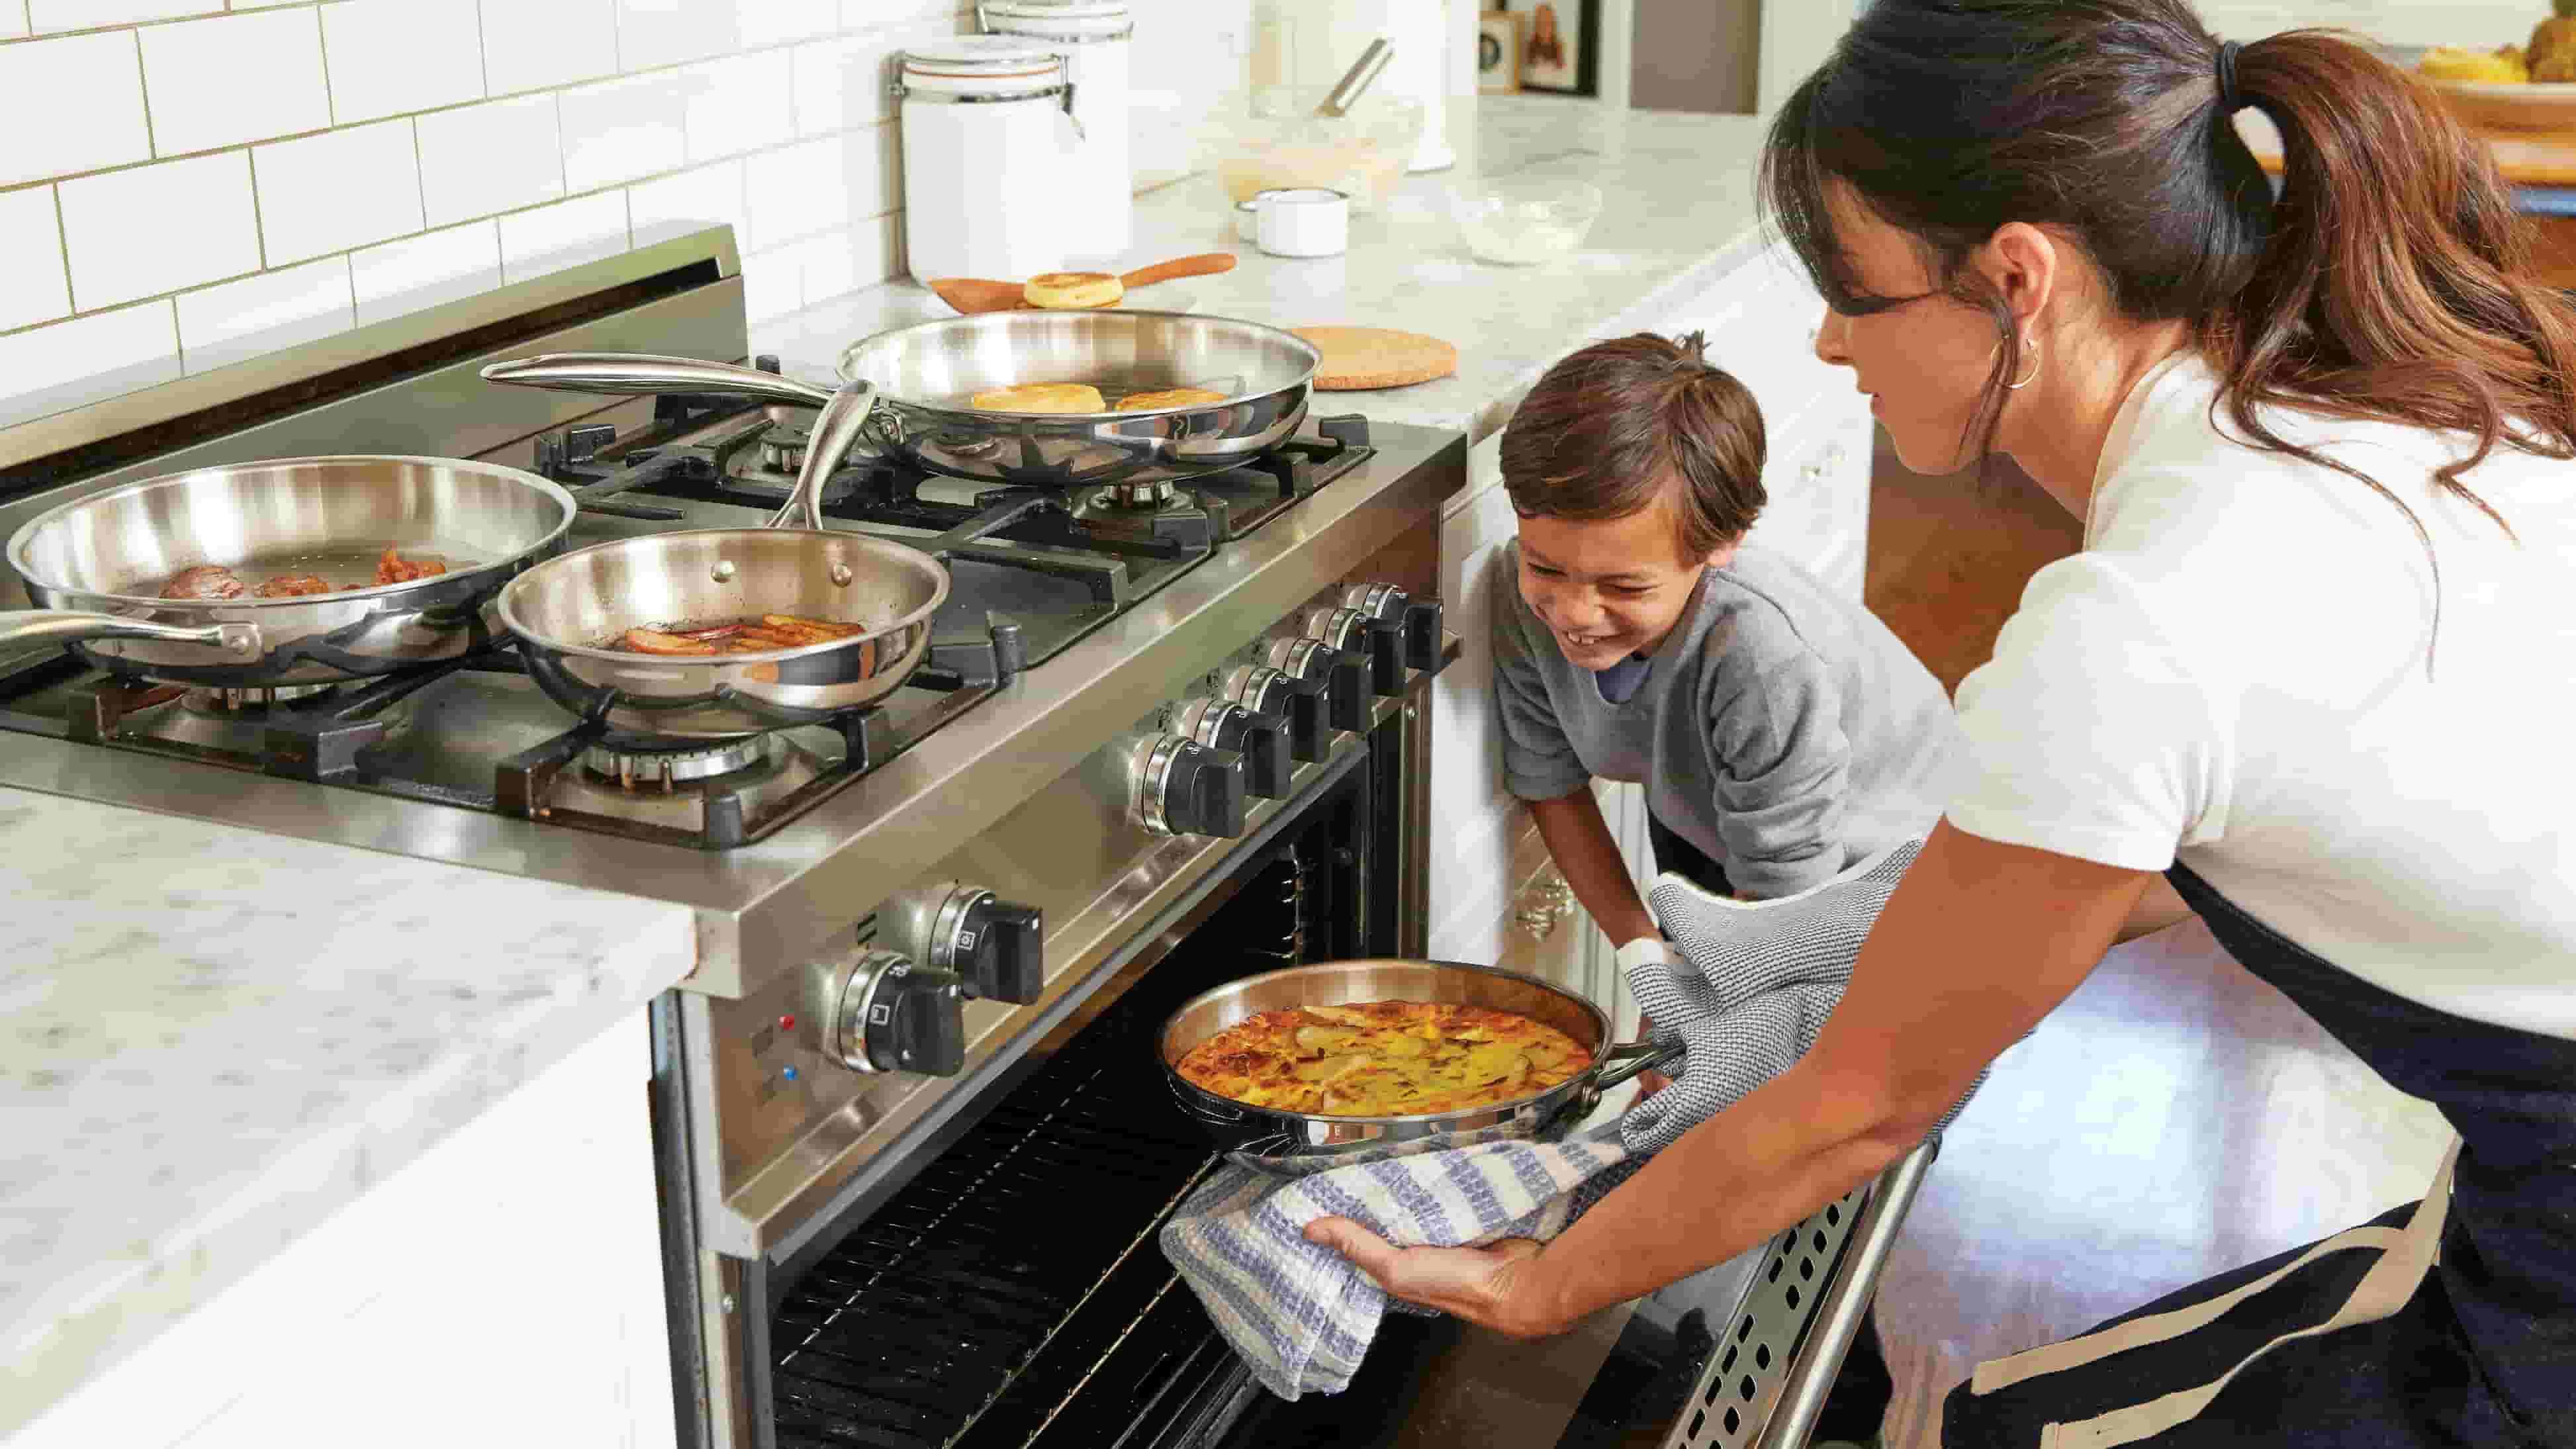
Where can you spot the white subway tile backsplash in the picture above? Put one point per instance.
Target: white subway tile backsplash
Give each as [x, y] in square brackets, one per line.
[849, 82]
[499, 156]
[337, 190]
[772, 286]
[70, 105]
[690, 201]
[653, 33]
[158, 228]
[48, 369]
[622, 130]
[532, 43]
[738, 104]
[392, 56]
[799, 190]
[13, 21]
[274, 310]
[424, 271]
[52, 15]
[232, 79]
[856, 14]
[32, 287]
[769, 22]
[565, 234]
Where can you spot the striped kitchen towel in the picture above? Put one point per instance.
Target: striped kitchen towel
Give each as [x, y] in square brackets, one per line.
[1752, 984]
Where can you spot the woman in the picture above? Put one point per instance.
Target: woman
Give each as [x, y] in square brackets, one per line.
[2314, 661]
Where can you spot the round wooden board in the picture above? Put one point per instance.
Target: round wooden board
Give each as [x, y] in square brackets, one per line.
[1357, 358]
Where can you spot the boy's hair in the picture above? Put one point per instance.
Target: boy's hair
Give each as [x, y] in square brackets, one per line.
[1620, 423]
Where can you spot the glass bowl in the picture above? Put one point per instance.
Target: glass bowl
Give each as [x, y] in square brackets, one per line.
[1525, 221]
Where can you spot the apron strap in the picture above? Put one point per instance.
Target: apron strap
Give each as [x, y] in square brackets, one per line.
[2406, 1255]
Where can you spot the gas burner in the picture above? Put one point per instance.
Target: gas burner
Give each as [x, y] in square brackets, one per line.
[782, 449]
[235, 703]
[1138, 493]
[642, 767]
[1171, 515]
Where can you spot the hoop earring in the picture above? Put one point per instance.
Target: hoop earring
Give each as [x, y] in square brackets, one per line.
[2033, 374]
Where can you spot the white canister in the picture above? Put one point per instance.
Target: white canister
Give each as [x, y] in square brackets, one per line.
[989, 139]
[1093, 37]
[1303, 221]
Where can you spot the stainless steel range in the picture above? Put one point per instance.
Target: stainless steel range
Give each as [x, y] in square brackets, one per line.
[912, 1148]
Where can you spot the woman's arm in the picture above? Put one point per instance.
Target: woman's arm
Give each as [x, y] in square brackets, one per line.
[1979, 942]
[1579, 841]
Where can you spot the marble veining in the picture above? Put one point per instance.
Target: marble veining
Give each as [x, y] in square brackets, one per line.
[1680, 215]
[212, 1038]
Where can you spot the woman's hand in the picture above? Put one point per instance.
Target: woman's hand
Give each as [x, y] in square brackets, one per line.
[1494, 1286]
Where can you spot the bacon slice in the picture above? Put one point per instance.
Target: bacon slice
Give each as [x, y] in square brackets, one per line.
[205, 581]
[294, 586]
[653, 641]
[392, 568]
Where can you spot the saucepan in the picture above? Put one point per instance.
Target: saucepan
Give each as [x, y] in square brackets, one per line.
[569, 613]
[1292, 1144]
[96, 567]
[924, 376]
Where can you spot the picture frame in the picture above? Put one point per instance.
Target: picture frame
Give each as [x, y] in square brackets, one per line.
[1502, 39]
[1561, 46]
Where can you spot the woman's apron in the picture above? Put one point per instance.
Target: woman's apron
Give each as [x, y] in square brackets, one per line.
[2448, 1321]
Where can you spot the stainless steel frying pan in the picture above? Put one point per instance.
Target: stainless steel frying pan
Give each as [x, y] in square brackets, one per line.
[924, 374]
[1292, 1144]
[568, 611]
[96, 567]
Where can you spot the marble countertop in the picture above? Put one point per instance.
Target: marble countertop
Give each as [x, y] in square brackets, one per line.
[215, 1038]
[1679, 215]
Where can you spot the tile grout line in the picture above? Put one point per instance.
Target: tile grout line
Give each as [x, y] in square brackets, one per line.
[142, 88]
[322, 41]
[63, 243]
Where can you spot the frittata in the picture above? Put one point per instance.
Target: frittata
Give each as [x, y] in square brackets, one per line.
[1383, 1059]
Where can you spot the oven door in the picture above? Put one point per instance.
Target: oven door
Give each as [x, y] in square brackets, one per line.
[1007, 1288]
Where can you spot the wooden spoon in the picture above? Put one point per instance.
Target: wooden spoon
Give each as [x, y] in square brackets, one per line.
[977, 294]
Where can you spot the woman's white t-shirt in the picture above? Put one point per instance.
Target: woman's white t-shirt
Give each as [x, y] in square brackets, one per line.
[2234, 672]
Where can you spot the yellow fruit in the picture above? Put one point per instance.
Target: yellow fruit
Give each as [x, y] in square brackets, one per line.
[2452, 63]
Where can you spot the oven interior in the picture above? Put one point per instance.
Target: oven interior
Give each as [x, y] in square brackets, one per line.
[1012, 1293]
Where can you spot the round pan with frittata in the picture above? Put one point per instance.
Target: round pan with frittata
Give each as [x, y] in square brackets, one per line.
[1314, 1066]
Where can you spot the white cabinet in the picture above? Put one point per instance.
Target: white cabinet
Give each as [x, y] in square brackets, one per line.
[503, 1288]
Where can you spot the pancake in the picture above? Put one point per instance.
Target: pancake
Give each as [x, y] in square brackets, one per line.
[1383, 1059]
[1042, 397]
[1073, 289]
[1174, 397]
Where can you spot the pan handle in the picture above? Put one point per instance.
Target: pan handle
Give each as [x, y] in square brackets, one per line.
[1629, 1059]
[70, 626]
[633, 374]
[829, 442]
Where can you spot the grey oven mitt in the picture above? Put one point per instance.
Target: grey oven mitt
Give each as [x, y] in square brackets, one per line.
[1752, 988]
[1747, 985]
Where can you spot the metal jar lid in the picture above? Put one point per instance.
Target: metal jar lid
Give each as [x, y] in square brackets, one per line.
[1074, 22]
[985, 57]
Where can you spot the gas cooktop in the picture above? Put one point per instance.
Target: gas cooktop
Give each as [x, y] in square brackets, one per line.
[1032, 572]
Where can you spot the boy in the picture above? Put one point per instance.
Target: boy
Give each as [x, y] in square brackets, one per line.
[1782, 733]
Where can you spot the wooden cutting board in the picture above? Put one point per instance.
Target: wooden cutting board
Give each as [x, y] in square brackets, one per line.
[1358, 358]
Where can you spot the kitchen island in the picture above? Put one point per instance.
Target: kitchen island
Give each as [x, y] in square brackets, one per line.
[221, 1040]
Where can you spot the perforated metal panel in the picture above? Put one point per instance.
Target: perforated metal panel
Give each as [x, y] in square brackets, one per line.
[1744, 1379]
[1779, 1353]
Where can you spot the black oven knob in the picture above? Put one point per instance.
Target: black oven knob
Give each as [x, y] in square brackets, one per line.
[1185, 788]
[1379, 643]
[886, 1014]
[1345, 676]
[1419, 621]
[998, 948]
[1262, 739]
[1264, 690]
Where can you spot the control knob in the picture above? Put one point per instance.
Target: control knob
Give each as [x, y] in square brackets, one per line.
[1418, 621]
[1262, 739]
[882, 1013]
[996, 948]
[1301, 702]
[1365, 637]
[1345, 676]
[1185, 788]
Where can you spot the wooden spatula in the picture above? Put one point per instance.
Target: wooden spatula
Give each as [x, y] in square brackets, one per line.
[979, 294]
